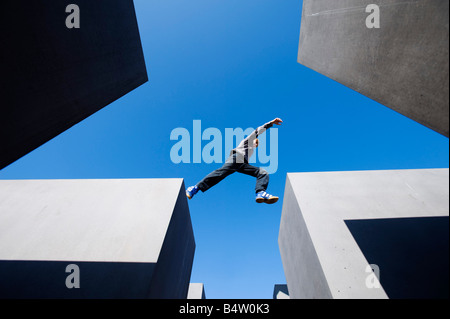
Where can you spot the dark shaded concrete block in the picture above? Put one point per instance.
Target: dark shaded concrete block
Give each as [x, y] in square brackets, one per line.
[280, 292]
[53, 77]
[413, 254]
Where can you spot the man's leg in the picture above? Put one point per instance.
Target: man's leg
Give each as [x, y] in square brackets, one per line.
[216, 176]
[262, 181]
[262, 177]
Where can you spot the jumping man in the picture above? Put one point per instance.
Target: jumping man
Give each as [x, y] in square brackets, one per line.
[238, 162]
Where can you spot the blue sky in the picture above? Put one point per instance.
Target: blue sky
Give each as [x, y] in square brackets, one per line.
[232, 64]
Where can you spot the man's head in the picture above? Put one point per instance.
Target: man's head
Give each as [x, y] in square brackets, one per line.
[255, 143]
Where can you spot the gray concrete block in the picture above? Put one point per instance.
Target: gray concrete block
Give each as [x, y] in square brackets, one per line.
[130, 238]
[53, 76]
[335, 225]
[196, 291]
[403, 64]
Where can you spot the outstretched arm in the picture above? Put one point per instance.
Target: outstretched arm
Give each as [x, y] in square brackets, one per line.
[276, 121]
[264, 127]
[261, 130]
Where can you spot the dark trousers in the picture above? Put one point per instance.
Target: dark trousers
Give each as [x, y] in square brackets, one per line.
[235, 164]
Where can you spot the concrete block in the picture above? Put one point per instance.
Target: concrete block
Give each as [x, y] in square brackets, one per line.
[196, 291]
[337, 228]
[280, 292]
[129, 238]
[53, 76]
[403, 64]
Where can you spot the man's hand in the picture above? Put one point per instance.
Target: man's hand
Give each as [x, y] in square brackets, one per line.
[276, 121]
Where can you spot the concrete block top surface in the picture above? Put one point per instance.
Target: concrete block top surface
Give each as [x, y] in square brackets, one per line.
[119, 220]
[373, 194]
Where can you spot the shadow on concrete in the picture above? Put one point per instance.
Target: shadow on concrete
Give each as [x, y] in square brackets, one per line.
[47, 279]
[412, 254]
